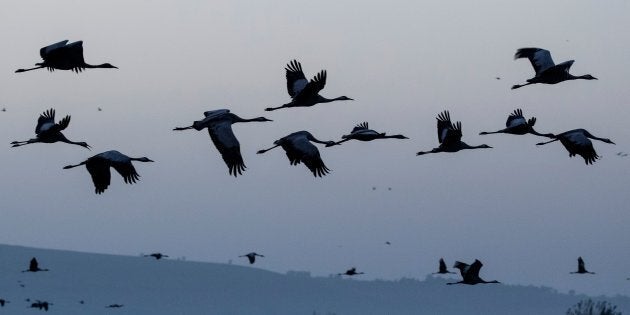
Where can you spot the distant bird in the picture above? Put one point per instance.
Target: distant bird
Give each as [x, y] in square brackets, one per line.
[351, 272]
[33, 266]
[498, 78]
[450, 136]
[3, 301]
[47, 131]
[99, 109]
[388, 243]
[577, 142]
[470, 273]
[4, 109]
[546, 71]
[114, 306]
[219, 124]
[98, 166]
[622, 154]
[442, 268]
[517, 125]
[64, 56]
[41, 305]
[581, 268]
[299, 149]
[362, 132]
[251, 257]
[157, 256]
[305, 93]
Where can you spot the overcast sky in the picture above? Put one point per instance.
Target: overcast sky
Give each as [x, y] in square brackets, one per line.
[527, 212]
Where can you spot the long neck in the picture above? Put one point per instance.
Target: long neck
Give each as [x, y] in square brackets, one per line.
[71, 166]
[321, 99]
[491, 132]
[589, 135]
[313, 139]
[24, 70]
[470, 147]
[436, 150]
[394, 136]
[104, 65]
[548, 135]
[239, 119]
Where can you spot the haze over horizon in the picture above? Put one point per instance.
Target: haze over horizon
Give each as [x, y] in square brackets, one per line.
[527, 212]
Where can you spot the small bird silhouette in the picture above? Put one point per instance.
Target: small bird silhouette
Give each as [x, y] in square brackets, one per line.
[442, 268]
[351, 272]
[546, 71]
[64, 56]
[577, 143]
[581, 268]
[98, 167]
[251, 257]
[362, 132]
[114, 306]
[33, 266]
[517, 125]
[3, 301]
[299, 148]
[305, 93]
[157, 256]
[47, 131]
[41, 305]
[470, 273]
[450, 136]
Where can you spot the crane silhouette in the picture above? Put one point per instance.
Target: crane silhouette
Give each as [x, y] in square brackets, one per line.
[517, 125]
[442, 268]
[299, 148]
[33, 266]
[305, 93]
[251, 257]
[157, 256]
[3, 302]
[470, 273]
[114, 306]
[351, 272]
[450, 136]
[546, 71]
[362, 132]
[219, 124]
[64, 56]
[47, 131]
[577, 142]
[98, 167]
[41, 305]
[581, 268]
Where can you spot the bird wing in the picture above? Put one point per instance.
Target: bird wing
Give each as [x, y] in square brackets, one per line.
[473, 271]
[442, 265]
[45, 51]
[225, 141]
[515, 119]
[211, 114]
[566, 66]
[463, 268]
[360, 127]
[581, 267]
[316, 84]
[74, 53]
[45, 121]
[302, 150]
[251, 258]
[99, 170]
[126, 170]
[447, 131]
[63, 123]
[540, 58]
[33, 265]
[577, 143]
[296, 81]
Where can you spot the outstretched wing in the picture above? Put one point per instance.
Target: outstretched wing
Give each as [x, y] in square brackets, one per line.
[211, 114]
[127, 171]
[45, 51]
[473, 271]
[442, 267]
[302, 150]
[515, 119]
[313, 87]
[360, 127]
[447, 131]
[99, 170]
[45, 121]
[74, 54]
[296, 81]
[225, 141]
[463, 268]
[540, 58]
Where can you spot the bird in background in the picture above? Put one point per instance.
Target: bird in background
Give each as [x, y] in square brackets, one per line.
[470, 273]
[577, 142]
[157, 256]
[3, 302]
[442, 268]
[581, 268]
[305, 93]
[47, 131]
[114, 306]
[351, 272]
[517, 125]
[41, 305]
[251, 257]
[219, 123]
[64, 56]
[98, 167]
[299, 148]
[450, 136]
[33, 266]
[547, 72]
[362, 132]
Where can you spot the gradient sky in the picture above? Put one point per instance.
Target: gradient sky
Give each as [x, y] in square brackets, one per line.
[527, 212]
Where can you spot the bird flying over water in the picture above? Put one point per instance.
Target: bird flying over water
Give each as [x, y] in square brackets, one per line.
[98, 167]
[299, 148]
[450, 136]
[517, 125]
[351, 272]
[157, 256]
[251, 257]
[470, 273]
[577, 142]
[547, 72]
[64, 56]
[33, 266]
[47, 131]
[305, 93]
[219, 124]
[581, 267]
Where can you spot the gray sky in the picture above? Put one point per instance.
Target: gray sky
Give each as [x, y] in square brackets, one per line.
[527, 212]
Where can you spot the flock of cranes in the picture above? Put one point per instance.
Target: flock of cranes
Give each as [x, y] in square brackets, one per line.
[299, 146]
